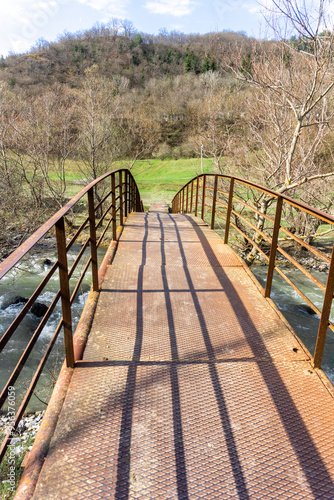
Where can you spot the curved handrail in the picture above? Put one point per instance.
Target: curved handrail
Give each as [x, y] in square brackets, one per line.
[23, 249]
[124, 198]
[195, 194]
[298, 204]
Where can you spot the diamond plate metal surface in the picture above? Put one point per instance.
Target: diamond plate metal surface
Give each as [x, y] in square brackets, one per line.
[191, 387]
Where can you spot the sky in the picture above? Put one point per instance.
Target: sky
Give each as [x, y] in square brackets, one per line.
[24, 22]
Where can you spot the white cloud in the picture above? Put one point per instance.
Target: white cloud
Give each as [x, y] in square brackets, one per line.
[177, 8]
[224, 7]
[114, 8]
[22, 22]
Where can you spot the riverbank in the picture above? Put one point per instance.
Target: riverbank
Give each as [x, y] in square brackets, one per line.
[21, 443]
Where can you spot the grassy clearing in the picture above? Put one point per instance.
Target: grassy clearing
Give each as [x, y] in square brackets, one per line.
[160, 180]
[157, 180]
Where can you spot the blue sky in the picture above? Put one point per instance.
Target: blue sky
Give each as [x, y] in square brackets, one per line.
[23, 22]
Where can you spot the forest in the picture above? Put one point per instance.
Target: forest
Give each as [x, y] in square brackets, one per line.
[260, 109]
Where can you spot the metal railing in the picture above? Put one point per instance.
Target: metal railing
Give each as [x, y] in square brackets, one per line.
[119, 197]
[211, 196]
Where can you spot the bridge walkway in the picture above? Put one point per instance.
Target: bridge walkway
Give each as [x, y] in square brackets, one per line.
[191, 385]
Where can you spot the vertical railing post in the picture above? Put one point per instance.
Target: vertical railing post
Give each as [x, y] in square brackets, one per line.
[191, 197]
[120, 182]
[197, 194]
[129, 193]
[229, 211]
[324, 320]
[92, 231]
[126, 194]
[138, 205]
[113, 208]
[273, 249]
[214, 202]
[203, 196]
[187, 198]
[182, 209]
[65, 292]
[133, 194]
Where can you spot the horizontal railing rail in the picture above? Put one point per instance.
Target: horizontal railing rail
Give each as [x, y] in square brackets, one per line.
[212, 196]
[121, 195]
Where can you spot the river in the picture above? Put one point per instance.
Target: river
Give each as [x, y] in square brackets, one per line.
[292, 307]
[23, 280]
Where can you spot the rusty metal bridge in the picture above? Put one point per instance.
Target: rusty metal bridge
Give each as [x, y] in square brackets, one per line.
[184, 381]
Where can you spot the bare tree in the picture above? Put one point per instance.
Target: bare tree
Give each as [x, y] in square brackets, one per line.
[214, 121]
[292, 106]
[141, 133]
[49, 138]
[97, 107]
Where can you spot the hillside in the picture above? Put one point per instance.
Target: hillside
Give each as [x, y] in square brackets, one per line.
[118, 51]
[259, 109]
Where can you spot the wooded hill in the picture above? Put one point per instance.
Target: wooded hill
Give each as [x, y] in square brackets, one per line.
[263, 110]
[118, 50]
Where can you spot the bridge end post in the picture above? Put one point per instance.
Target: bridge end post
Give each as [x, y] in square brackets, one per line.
[92, 231]
[113, 209]
[273, 249]
[229, 211]
[65, 291]
[214, 202]
[196, 199]
[324, 320]
[203, 196]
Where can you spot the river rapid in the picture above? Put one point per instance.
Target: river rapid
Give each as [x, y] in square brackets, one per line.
[24, 279]
[295, 310]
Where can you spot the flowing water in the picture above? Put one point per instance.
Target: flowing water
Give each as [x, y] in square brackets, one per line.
[23, 280]
[293, 308]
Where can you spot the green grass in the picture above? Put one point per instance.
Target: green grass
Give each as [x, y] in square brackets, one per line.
[160, 180]
[6, 489]
[157, 180]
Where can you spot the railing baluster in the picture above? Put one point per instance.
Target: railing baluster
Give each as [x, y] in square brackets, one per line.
[203, 196]
[187, 198]
[182, 210]
[324, 320]
[113, 210]
[273, 249]
[214, 202]
[197, 194]
[65, 291]
[92, 231]
[229, 210]
[191, 196]
[126, 194]
[120, 181]
[138, 207]
[132, 195]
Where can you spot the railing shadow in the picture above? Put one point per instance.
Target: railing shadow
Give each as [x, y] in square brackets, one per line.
[309, 459]
[299, 436]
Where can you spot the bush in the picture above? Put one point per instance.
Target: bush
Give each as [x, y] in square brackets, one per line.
[163, 152]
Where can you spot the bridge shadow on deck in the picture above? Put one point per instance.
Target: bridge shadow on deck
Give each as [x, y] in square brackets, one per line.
[311, 462]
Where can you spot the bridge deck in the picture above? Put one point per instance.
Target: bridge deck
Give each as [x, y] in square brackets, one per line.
[191, 385]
